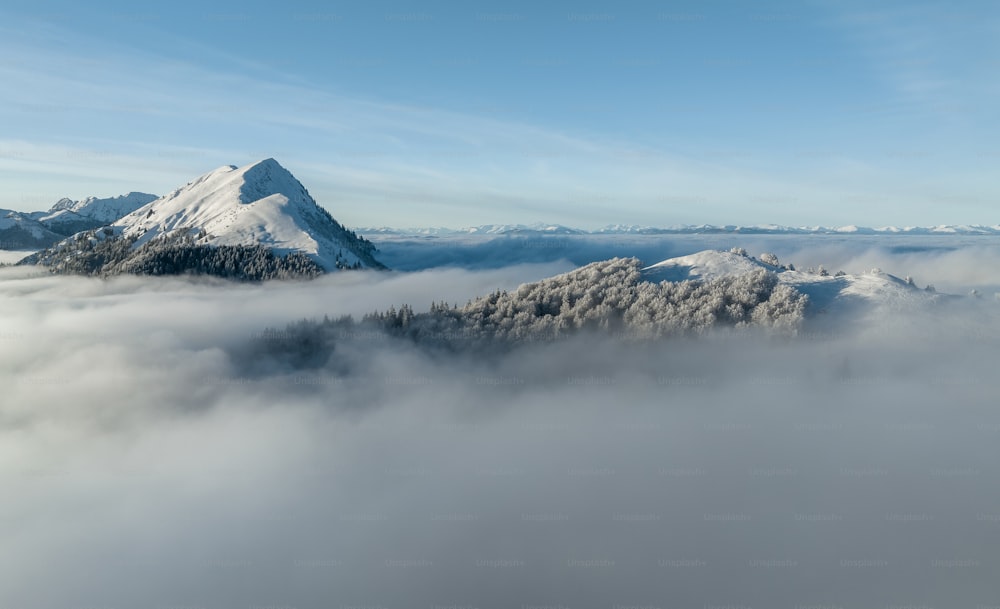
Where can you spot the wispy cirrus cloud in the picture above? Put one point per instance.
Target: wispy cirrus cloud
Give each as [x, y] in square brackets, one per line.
[931, 57]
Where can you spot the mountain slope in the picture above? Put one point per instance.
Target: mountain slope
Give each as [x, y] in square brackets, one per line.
[20, 231]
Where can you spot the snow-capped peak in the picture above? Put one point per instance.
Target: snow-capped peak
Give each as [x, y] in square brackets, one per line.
[63, 203]
[265, 178]
[259, 204]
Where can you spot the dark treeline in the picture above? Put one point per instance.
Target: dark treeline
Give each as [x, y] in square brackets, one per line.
[102, 253]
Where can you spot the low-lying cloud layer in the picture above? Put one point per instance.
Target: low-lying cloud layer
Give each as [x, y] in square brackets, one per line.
[141, 467]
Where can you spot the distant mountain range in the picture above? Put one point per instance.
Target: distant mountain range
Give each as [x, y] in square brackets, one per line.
[38, 229]
[685, 229]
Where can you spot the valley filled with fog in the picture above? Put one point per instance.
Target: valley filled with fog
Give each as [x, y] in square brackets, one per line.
[155, 452]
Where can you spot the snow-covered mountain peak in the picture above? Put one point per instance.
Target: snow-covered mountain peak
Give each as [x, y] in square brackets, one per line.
[265, 178]
[258, 204]
[63, 203]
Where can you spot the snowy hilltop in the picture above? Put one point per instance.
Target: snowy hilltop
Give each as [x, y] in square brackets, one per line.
[254, 222]
[611, 297]
[838, 292]
[708, 291]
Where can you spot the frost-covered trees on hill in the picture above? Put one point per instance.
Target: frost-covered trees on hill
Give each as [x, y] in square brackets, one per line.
[769, 258]
[83, 254]
[609, 297]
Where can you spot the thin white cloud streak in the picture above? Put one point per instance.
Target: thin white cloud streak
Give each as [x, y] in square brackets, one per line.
[934, 57]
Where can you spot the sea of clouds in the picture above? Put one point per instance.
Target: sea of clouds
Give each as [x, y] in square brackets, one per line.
[142, 465]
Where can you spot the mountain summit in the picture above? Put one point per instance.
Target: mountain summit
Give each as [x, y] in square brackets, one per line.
[260, 204]
[251, 222]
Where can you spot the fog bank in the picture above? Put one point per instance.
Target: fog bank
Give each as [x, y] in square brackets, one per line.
[142, 468]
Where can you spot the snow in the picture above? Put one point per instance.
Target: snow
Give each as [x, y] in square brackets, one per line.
[102, 210]
[507, 229]
[703, 265]
[261, 203]
[410, 232]
[854, 294]
[10, 219]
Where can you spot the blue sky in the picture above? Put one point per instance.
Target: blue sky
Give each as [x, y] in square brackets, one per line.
[461, 113]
